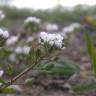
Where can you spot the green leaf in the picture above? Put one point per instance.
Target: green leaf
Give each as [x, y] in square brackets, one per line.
[85, 87]
[4, 53]
[91, 51]
[2, 41]
[1, 80]
[31, 57]
[9, 90]
[9, 69]
[38, 53]
[65, 68]
[29, 82]
[47, 67]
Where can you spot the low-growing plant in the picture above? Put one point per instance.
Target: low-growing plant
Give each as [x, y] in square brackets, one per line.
[32, 24]
[43, 56]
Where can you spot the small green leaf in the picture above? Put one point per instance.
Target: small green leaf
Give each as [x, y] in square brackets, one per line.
[29, 82]
[2, 41]
[1, 80]
[32, 55]
[9, 69]
[9, 90]
[91, 51]
[47, 67]
[38, 53]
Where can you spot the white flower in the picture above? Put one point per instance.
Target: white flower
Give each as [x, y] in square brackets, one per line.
[12, 40]
[52, 27]
[12, 57]
[52, 39]
[22, 49]
[75, 25]
[29, 39]
[51, 43]
[70, 28]
[43, 36]
[2, 15]
[18, 50]
[1, 32]
[32, 19]
[1, 73]
[26, 49]
[58, 43]
[4, 33]
[59, 37]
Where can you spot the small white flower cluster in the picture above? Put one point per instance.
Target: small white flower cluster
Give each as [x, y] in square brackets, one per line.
[12, 40]
[4, 33]
[32, 19]
[52, 27]
[52, 39]
[1, 73]
[70, 28]
[30, 39]
[12, 57]
[22, 50]
[2, 15]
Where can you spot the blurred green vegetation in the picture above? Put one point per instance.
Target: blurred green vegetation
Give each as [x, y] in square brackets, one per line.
[59, 14]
